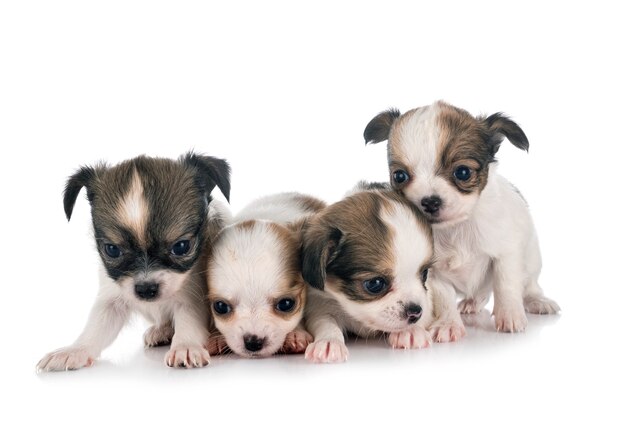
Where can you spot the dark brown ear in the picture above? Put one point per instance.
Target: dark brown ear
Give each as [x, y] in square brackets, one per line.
[320, 245]
[83, 178]
[211, 171]
[377, 130]
[499, 127]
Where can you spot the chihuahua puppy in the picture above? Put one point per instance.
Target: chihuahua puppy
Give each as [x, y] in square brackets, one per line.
[152, 220]
[366, 259]
[443, 160]
[254, 279]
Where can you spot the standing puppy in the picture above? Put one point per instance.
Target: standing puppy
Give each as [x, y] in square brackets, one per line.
[255, 285]
[367, 259]
[152, 218]
[443, 160]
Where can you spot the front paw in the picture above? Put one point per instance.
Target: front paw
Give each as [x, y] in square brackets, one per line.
[217, 345]
[470, 306]
[447, 331]
[326, 351]
[297, 341]
[510, 319]
[65, 359]
[187, 356]
[415, 338]
[158, 335]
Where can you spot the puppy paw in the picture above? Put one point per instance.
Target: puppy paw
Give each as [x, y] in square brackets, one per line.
[326, 351]
[158, 335]
[65, 359]
[415, 338]
[187, 356]
[470, 306]
[540, 305]
[447, 331]
[510, 319]
[217, 345]
[297, 341]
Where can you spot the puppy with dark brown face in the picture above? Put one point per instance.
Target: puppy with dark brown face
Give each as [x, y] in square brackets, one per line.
[443, 160]
[256, 291]
[153, 220]
[367, 259]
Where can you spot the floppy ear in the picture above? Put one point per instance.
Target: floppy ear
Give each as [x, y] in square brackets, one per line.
[212, 171]
[82, 178]
[499, 127]
[377, 130]
[320, 245]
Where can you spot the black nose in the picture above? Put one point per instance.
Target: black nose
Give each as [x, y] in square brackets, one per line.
[413, 312]
[431, 204]
[253, 343]
[147, 291]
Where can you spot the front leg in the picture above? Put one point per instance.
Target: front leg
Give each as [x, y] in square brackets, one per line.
[107, 317]
[191, 338]
[297, 340]
[447, 324]
[508, 288]
[329, 345]
[415, 338]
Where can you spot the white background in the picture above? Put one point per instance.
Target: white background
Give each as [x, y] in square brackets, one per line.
[284, 91]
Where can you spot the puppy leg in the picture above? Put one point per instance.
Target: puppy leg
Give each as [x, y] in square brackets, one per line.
[191, 336]
[415, 338]
[106, 319]
[447, 324]
[217, 344]
[297, 340]
[329, 345]
[536, 303]
[508, 286]
[159, 335]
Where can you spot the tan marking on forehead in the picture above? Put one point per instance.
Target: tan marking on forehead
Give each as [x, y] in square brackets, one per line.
[309, 203]
[132, 212]
[290, 254]
[394, 150]
[246, 225]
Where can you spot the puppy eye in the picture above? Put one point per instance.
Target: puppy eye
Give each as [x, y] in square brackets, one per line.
[221, 308]
[286, 304]
[113, 251]
[424, 275]
[375, 285]
[462, 173]
[181, 248]
[400, 176]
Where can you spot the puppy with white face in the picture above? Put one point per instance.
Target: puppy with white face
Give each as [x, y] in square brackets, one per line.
[443, 160]
[255, 285]
[367, 260]
[153, 220]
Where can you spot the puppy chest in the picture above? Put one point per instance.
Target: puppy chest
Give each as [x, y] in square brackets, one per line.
[461, 263]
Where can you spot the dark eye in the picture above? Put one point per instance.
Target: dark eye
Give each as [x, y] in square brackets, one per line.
[462, 173]
[221, 308]
[112, 250]
[181, 248]
[400, 176]
[424, 275]
[286, 304]
[375, 285]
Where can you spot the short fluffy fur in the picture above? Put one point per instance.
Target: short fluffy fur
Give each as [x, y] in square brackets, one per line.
[255, 285]
[443, 160]
[367, 259]
[153, 220]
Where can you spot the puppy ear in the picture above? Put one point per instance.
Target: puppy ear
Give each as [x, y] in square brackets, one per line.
[82, 178]
[213, 171]
[377, 130]
[499, 127]
[320, 245]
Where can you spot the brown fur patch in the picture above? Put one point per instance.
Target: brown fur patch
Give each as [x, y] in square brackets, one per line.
[309, 203]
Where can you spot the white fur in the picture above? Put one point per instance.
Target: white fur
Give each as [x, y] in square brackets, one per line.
[247, 270]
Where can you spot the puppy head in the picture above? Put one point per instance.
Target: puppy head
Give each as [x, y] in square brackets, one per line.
[256, 291]
[439, 155]
[150, 218]
[371, 252]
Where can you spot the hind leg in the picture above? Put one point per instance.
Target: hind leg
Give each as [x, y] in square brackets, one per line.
[536, 303]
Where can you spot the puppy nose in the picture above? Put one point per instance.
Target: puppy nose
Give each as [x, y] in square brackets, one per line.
[253, 343]
[413, 312]
[147, 291]
[431, 204]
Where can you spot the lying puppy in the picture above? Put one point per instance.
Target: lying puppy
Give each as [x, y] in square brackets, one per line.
[255, 286]
[367, 258]
[152, 218]
[443, 160]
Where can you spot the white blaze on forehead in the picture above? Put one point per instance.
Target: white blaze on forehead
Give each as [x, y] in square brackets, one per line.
[411, 244]
[133, 210]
